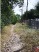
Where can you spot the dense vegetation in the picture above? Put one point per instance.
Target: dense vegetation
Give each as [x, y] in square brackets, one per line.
[28, 36]
[32, 14]
[7, 15]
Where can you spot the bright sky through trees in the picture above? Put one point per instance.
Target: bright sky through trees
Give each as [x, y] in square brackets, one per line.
[31, 5]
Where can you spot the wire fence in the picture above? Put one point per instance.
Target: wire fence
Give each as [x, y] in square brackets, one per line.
[34, 23]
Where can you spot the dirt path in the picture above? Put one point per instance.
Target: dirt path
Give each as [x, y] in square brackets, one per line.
[13, 43]
[12, 31]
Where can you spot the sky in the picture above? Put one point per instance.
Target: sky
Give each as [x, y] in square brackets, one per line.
[31, 5]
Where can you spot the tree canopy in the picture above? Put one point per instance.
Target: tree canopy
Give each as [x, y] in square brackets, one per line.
[7, 15]
[32, 14]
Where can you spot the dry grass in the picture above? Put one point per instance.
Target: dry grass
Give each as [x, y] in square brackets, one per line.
[24, 30]
[6, 32]
[29, 36]
[20, 28]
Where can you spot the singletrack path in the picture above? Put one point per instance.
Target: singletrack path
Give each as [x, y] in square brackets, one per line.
[13, 43]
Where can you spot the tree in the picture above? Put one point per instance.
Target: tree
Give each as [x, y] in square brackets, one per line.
[37, 10]
[37, 7]
[18, 17]
[37, 13]
[6, 10]
[30, 15]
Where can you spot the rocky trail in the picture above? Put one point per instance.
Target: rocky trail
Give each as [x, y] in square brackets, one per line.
[14, 43]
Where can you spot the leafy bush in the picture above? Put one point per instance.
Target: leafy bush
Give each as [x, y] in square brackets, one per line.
[14, 20]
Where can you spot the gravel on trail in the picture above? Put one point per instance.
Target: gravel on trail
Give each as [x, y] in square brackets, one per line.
[14, 42]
